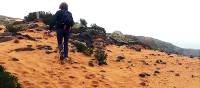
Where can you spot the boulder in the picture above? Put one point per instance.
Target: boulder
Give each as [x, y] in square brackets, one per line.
[119, 39]
[6, 34]
[5, 38]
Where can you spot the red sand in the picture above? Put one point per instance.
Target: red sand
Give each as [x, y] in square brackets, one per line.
[36, 69]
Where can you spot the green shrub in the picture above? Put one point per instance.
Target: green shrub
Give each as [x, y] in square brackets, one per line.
[7, 80]
[101, 57]
[88, 51]
[15, 28]
[82, 47]
[45, 16]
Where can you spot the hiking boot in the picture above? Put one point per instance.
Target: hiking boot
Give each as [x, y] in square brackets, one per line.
[62, 55]
[64, 60]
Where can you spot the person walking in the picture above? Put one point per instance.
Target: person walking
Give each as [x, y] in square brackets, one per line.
[62, 23]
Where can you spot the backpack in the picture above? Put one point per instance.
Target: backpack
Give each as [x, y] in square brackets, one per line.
[65, 18]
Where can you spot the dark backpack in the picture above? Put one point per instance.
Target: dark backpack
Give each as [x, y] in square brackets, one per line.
[65, 18]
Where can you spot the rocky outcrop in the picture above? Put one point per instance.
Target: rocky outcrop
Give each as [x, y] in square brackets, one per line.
[169, 48]
[6, 36]
[119, 39]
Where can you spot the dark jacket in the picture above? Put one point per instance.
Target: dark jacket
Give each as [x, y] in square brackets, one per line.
[57, 17]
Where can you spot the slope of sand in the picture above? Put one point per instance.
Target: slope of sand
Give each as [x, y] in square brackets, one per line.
[36, 69]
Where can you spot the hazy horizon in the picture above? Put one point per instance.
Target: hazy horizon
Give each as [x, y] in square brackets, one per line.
[174, 21]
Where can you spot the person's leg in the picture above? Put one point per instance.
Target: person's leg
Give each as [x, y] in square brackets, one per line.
[59, 39]
[66, 38]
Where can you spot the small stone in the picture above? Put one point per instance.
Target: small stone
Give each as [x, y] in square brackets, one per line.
[160, 62]
[109, 50]
[177, 74]
[144, 62]
[16, 41]
[91, 64]
[72, 50]
[72, 77]
[143, 83]
[144, 74]
[156, 72]
[29, 46]
[120, 58]
[102, 71]
[15, 59]
[48, 52]
[179, 63]
[129, 61]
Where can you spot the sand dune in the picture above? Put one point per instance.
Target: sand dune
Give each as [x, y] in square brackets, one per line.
[37, 69]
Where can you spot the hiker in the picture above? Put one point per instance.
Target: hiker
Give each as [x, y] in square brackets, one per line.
[63, 22]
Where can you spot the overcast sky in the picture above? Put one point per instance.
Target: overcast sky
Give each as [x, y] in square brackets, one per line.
[174, 21]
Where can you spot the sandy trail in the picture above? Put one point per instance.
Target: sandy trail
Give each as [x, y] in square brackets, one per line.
[36, 69]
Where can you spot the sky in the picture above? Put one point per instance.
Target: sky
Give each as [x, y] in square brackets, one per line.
[174, 21]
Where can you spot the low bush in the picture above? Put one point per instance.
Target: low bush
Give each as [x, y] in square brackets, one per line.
[7, 80]
[88, 52]
[101, 57]
[15, 28]
[82, 47]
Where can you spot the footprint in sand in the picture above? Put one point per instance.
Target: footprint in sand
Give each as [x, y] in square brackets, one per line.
[95, 82]
[90, 76]
[24, 72]
[27, 83]
[94, 85]
[45, 82]
[67, 68]
[72, 77]
[108, 85]
[83, 67]
[75, 67]
[67, 86]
